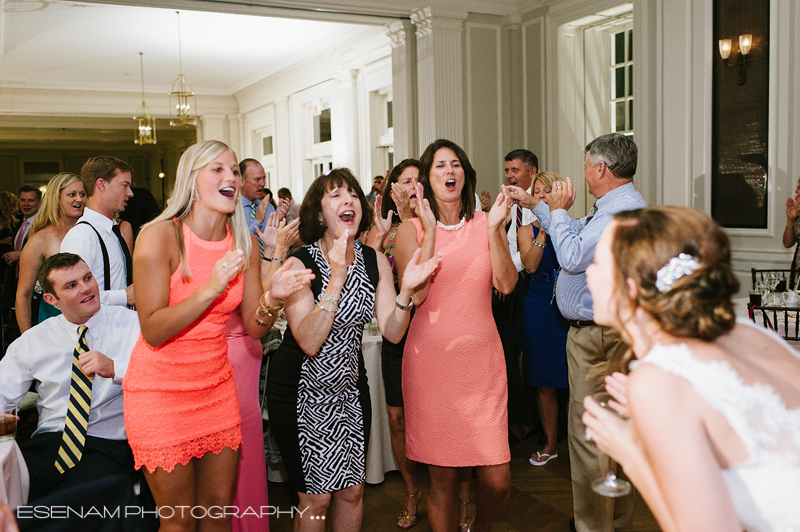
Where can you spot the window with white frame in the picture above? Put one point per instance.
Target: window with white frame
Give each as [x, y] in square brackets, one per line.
[621, 81]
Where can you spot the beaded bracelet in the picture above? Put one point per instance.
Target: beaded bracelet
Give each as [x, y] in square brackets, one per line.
[539, 244]
[274, 259]
[326, 309]
[325, 297]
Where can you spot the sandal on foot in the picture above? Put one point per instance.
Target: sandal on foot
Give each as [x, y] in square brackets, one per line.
[464, 525]
[409, 518]
[541, 458]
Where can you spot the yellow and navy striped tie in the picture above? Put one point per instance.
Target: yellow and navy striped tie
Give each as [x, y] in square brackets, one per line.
[80, 402]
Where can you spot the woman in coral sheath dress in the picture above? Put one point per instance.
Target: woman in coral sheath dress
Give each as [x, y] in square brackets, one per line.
[454, 374]
[192, 269]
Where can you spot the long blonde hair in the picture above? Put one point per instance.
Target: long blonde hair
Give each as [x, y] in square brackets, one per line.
[192, 161]
[50, 212]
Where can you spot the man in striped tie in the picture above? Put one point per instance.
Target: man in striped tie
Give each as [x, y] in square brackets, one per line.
[521, 166]
[77, 360]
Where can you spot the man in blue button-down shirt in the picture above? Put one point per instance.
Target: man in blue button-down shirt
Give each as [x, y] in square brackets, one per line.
[256, 209]
[592, 351]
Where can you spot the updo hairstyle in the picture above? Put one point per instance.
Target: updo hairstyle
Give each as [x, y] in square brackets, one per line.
[697, 305]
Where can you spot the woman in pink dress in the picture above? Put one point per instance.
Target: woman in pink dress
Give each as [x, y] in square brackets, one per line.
[454, 373]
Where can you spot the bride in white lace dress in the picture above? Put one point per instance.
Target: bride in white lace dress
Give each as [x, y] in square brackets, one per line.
[713, 437]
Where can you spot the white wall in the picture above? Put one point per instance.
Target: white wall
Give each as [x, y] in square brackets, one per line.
[341, 78]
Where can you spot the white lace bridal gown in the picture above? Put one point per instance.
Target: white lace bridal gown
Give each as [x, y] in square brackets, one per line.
[765, 489]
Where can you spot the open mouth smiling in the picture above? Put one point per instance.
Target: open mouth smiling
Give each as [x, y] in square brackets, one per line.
[347, 216]
[450, 184]
[228, 192]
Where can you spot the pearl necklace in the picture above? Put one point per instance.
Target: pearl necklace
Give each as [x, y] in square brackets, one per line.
[455, 227]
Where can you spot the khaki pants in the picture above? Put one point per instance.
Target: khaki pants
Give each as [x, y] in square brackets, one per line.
[592, 353]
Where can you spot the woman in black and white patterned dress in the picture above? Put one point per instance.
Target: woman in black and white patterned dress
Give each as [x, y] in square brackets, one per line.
[317, 386]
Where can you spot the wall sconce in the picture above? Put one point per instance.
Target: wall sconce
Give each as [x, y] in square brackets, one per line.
[745, 42]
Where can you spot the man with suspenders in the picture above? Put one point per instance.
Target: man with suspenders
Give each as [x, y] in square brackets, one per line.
[96, 237]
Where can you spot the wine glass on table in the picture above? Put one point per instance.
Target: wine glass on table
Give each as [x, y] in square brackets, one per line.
[610, 485]
[773, 278]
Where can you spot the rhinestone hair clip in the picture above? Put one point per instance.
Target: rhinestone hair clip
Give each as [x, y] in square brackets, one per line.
[677, 267]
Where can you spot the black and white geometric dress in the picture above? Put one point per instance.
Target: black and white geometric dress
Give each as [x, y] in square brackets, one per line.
[319, 406]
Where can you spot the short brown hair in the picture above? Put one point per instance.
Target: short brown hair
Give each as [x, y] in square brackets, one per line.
[311, 229]
[470, 177]
[102, 167]
[59, 261]
[245, 164]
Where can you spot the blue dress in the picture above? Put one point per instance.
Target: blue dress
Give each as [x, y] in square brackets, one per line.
[545, 329]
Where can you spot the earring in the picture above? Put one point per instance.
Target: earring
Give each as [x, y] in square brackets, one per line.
[195, 195]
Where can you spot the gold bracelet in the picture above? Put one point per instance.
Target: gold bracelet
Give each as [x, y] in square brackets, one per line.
[266, 308]
[265, 324]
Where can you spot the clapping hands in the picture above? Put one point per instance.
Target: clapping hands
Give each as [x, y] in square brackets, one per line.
[416, 274]
[383, 224]
[424, 212]
[498, 212]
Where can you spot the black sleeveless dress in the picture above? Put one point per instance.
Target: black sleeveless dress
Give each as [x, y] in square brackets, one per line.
[319, 406]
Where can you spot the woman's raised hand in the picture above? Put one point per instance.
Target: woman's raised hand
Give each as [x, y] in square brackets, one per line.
[402, 202]
[287, 281]
[791, 210]
[288, 234]
[225, 269]
[416, 274]
[424, 212]
[274, 223]
[337, 257]
[498, 212]
[384, 225]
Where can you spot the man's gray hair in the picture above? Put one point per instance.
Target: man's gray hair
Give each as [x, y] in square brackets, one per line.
[617, 151]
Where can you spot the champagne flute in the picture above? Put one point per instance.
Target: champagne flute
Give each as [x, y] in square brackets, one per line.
[609, 485]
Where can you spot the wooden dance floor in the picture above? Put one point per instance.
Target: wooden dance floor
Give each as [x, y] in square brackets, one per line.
[541, 498]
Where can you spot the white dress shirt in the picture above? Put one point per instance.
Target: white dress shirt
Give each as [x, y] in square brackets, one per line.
[527, 218]
[44, 354]
[82, 241]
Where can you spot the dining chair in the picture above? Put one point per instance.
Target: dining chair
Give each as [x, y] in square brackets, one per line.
[760, 276]
[785, 321]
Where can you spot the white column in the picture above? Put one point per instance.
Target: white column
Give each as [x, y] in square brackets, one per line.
[211, 127]
[344, 118]
[404, 89]
[439, 75]
[281, 144]
[234, 136]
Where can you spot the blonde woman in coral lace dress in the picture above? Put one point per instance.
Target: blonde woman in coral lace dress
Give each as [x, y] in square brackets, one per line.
[454, 374]
[193, 267]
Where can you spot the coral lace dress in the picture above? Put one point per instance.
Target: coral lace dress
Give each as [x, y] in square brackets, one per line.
[455, 389]
[180, 398]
